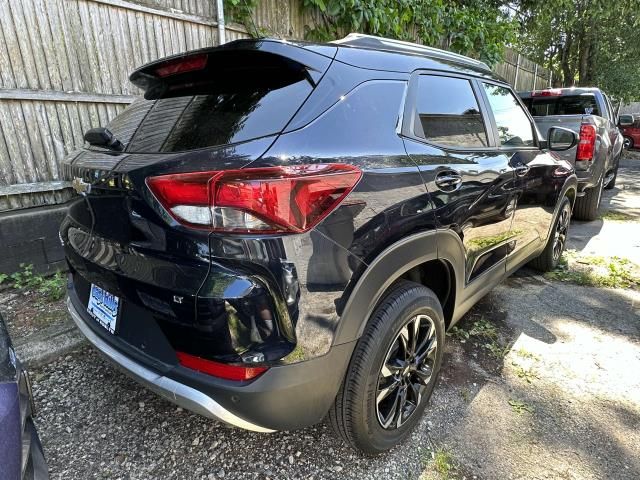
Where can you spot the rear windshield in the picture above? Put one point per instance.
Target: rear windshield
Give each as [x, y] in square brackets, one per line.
[225, 113]
[584, 104]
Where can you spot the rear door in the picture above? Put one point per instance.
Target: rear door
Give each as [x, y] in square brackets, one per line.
[534, 187]
[449, 135]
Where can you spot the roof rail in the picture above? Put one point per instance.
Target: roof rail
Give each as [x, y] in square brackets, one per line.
[390, 44]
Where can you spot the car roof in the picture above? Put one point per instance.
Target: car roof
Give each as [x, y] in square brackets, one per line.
[372, 42]
[380, 53]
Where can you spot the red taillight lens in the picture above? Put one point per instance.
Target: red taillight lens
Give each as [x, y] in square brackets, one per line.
[587, 142]
[551, 92]
[290, 199]
[217, 369]
[182, 65]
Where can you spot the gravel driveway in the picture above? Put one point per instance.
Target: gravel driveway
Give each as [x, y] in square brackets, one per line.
[548, 388]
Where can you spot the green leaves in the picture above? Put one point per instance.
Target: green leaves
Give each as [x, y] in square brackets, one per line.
[477, 29]
[586, 43]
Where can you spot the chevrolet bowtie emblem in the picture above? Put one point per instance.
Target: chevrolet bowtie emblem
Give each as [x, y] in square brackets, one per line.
[80, 186]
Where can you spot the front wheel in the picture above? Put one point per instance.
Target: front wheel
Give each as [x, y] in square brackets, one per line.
[392, 372]
[557, 242]
[628, 143]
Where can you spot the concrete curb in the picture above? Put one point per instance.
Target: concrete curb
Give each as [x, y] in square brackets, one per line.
[48, 344]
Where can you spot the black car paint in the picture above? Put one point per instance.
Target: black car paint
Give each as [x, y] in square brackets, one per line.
[177, 284]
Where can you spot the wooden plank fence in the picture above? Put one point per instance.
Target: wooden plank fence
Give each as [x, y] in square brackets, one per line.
[64, 67]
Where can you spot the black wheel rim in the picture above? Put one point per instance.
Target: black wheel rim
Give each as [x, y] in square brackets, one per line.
[560, 234]
[406, 372]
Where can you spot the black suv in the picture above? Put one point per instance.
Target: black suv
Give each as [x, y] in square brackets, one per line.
[282, 231]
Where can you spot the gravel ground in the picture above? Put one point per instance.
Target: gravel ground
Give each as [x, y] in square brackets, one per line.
[559, 399]
[27, 312]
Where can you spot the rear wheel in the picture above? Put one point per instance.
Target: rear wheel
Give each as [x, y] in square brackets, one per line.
[628, 142]
[392, 372]
[550, 256]
[586, 207]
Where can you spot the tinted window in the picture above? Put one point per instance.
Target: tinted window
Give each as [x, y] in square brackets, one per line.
[564, 105]
[230, 115]
[514, 127]
[447, 112]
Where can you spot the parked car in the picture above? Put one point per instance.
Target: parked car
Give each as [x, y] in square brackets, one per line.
[21, 454]
[283, 231]
[630, 129]
[588, 112]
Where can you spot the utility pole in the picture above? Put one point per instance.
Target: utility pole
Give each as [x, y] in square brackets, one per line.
[221, 32]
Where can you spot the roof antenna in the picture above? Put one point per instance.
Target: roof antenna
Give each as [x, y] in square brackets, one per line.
[250, 13]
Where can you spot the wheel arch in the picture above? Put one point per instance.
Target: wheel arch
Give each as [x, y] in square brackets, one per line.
[422, 257]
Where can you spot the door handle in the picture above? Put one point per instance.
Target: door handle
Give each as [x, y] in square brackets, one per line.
[522, 170]
[448, 181]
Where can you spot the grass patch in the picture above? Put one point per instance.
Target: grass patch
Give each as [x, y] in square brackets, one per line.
[465, 393]
[479, 329]
[443, 462]
[520, 407]
[616, 216]
[497, 350]
[526, 374]
[596, 271]
[482, 333]
[523, 353]
[52, 287]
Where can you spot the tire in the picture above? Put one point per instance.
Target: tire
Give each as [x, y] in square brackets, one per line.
[557, 242]
[628, 143]
[586, 207]
[356, 415]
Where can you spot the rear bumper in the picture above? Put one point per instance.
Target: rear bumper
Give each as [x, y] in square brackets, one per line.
[285, 397]
[175, 392]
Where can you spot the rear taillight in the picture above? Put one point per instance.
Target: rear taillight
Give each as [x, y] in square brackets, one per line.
[290, 199]
[587, 143]
[217, 369]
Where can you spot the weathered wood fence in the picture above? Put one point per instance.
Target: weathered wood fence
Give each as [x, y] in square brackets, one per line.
[64, 67]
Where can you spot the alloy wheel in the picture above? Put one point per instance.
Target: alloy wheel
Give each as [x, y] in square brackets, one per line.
[406, 372]
[562, 229]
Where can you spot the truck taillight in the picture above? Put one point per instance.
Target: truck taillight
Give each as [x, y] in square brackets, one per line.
[587, 143]
[291, 199]
[550, 92]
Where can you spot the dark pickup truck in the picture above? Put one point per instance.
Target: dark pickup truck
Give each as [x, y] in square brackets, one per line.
[588, 112]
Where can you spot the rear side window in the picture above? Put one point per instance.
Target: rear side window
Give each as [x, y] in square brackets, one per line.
[584, 104]
[447, 113]
[514, 126]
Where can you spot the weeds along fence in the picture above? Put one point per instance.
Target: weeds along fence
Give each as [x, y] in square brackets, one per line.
[64, 67]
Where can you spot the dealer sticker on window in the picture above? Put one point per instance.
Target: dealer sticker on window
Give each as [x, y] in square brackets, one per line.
[103, 307]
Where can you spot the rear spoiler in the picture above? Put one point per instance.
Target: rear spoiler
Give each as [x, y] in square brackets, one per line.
[160, 76]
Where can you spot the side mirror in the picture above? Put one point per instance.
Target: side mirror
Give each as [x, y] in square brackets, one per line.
[101, 137]
[560, 139]
[625, 121]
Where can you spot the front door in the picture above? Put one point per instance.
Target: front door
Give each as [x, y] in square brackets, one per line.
[470, 181]
[535, 186]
